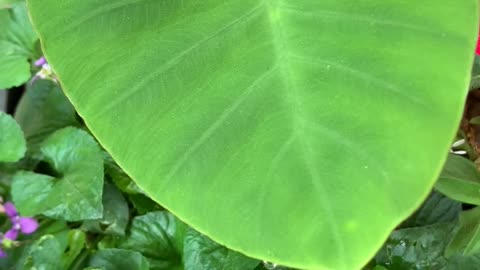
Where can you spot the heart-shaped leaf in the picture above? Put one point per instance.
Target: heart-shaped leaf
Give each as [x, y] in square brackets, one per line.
[298, 132]
[76, 192]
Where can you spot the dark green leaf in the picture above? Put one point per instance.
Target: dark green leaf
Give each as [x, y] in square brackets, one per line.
[419, 248]
[118, 259]
[159, 236]
[17, 45]
[76, 192]
[12, 140]
[76, 243]
[460, 180]
[436, 209]
[143, 204]
[42, 110]
[201, 253]
[115, 213]
[119, 177]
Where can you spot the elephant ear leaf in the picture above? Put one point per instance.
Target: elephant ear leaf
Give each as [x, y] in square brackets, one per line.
[298, 132]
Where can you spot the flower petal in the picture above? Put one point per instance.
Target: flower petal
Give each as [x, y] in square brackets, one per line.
[10, 209]
[11, 234]
[3, 254]
[28, 225]
[40, 62]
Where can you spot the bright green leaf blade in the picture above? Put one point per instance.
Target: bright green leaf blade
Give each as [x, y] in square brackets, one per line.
[460, 180]
[115, 213]
[467, 239]
[202, 253]
[118, 259]
[42, 110]
[236, 115]
[76, 194]
[12, 140]
[159, 236]
[17, 45]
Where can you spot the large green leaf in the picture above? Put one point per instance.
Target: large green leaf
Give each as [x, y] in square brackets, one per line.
[314, 116]
[75, 192]
[17, 45]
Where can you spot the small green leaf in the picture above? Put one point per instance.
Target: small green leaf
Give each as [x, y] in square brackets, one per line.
[76, 243]
[17, 45]
[460, 180]
[143, 204]
[118, 259]
[159, 236]
[76, 192]
[45, 254]
[467, 239]
[115, 213]
[436, 209]
[42, 110]
[416, 248]
[12, 140]
[200, 252]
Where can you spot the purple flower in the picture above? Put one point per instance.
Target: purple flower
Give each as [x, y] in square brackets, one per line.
[40, 62]
[24, 225]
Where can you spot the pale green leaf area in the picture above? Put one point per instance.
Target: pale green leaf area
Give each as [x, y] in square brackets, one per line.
[12, 140]
[118, 259]
[314, 116]
[42, 110]
[17, 44]
[75, 193]
[460, 180]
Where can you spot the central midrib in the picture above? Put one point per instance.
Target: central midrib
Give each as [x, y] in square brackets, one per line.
[299, 116]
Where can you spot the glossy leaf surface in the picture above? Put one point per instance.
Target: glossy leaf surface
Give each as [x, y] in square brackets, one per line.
[236, 115]
[75, 193]
[118, 259]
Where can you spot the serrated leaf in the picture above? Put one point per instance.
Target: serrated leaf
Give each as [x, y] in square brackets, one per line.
[76, 192]
[12, 140]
